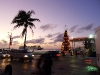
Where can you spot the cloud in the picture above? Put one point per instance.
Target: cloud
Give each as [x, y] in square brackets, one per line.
[16, 37]
[15, 43]
[55, 45]
[34, 41]
[86, 28]
[3, 43]
[89, 27]
[49, 36]
[48, 27]
[51, 42]
[72, 29]
[94, 29]
[52, 35]
[80, 30]
[59, 37]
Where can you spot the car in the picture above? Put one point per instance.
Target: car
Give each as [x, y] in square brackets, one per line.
[21, 55]
[53, 54]
[4, 54]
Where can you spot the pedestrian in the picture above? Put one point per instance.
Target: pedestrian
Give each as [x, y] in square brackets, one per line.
[8, 70]
[76, 53]
[47, 65]
[38, 65]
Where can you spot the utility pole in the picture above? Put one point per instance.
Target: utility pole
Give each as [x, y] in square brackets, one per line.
[10, 39]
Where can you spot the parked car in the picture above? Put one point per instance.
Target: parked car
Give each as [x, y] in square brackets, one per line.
[21, 55]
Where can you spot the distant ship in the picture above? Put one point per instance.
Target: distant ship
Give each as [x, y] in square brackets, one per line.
[39, 48]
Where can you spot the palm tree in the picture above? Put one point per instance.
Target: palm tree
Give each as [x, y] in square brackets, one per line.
[23, 18]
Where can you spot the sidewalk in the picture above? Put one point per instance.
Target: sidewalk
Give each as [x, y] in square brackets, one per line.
[75, 66]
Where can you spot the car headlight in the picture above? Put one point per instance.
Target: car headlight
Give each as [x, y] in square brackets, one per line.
[25, 55]
[32, 55]
[8, 55]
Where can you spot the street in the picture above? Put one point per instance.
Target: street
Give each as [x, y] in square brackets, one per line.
[63, 66]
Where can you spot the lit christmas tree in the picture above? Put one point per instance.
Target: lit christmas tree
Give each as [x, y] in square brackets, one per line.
[65, 48]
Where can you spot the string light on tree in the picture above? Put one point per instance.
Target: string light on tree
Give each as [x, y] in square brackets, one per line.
[66, 43]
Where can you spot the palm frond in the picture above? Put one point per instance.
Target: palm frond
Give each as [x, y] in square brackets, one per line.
[20, 16]
[16, 21]
[31, 30]
[31, 24]
[33, 19]
[24, 32]
[30, 12]
[17, 26]
[23, 18]
[21, 13]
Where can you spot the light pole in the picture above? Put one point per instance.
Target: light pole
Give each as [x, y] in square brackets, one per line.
[10, 39]
[72, 43]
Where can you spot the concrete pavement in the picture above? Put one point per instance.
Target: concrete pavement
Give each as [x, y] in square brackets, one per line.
[75, 66]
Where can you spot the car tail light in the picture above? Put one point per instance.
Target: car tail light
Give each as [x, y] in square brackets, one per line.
[57, 54]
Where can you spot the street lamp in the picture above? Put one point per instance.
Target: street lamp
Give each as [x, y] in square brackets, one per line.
[10, 39]
[72, 43]
[91, 36]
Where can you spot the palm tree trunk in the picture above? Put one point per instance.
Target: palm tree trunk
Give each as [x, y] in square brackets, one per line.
[25, 40]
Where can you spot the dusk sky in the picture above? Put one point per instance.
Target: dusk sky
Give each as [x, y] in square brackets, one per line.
[81, 17]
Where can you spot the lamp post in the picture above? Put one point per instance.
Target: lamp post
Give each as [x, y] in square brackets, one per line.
[10, 39]
[72, 43]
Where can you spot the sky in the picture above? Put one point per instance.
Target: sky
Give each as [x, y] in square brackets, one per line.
[81, 18]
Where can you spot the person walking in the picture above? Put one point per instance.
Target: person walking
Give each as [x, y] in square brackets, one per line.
[8, 70]
[76, 53]
[38, 65]
[47, 65]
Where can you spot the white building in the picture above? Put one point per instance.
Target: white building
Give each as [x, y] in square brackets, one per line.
[97, 42]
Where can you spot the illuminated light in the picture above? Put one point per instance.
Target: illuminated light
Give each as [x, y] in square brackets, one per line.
[25, 55]
[32, 55]
[91, 36]
[57, 54]
[91, 68]
[88, 60]
[8, 55]
[4, 55]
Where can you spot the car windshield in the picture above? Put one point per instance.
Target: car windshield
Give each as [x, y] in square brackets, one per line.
[4, 52]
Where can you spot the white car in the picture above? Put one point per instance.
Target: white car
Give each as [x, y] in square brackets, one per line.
[4, 55]
[21, 55]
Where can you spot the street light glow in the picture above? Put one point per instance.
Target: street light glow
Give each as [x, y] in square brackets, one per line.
[91, 36]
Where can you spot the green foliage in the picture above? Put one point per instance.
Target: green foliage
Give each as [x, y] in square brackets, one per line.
[24, 19]
[87, 43]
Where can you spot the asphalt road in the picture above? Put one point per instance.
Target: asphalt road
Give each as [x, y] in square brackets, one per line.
[63, 66]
